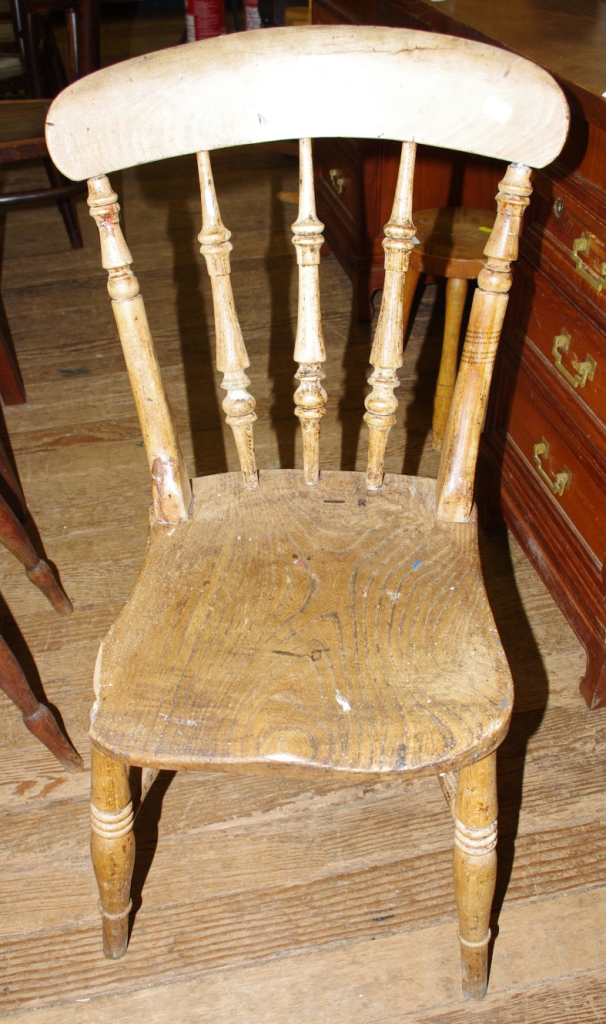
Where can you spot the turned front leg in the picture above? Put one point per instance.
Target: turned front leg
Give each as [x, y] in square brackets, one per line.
[475, 869]
[112, 848]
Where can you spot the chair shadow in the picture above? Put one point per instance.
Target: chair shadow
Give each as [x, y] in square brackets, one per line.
[531, 690]
[357, 368]
[418, 415]
[281, 367]
[183, 226]
[146, 831]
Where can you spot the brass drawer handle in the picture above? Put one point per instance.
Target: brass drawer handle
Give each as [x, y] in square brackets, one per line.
[337, 180]
[562, 479]
[596, 279]
[585, 370]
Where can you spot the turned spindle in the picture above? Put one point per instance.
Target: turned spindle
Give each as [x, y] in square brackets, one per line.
[170, 484]
[454, 492]
[232, 358]
[310, 396]
[388, 345]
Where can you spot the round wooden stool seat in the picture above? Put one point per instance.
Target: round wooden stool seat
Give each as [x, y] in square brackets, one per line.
[451, 242]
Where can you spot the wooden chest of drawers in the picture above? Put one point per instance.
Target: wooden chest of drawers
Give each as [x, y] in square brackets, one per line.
[543, 456]
[544, 450]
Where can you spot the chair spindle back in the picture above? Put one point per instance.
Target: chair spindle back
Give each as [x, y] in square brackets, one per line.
[170, 485]
[438, 91]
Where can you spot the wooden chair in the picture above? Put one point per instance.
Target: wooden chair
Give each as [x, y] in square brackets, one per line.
[297, 620]
[37, 717]
[22, 122]
[450, 244]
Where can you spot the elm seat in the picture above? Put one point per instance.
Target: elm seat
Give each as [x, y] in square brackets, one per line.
[296, 620]
[296, 617]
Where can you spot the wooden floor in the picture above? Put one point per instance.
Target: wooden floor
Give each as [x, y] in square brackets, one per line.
[258, 901]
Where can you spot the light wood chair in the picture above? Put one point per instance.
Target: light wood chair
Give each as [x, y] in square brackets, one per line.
[297, 620]
[449, 243]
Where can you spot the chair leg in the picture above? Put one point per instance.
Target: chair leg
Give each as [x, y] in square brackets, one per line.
[456, 293]
[14, 537]
[475, 869]
[112, 848]
[37, 717]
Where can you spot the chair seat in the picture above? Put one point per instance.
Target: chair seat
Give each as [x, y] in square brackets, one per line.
[452, 240]
[320, 627]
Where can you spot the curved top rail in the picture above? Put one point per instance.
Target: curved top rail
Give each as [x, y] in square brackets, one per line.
[309, 82]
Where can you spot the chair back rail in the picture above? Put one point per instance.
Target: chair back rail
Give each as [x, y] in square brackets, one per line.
[327, 80]
[310, 82]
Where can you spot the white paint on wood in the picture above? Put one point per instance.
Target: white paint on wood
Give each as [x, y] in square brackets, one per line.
[310, 82]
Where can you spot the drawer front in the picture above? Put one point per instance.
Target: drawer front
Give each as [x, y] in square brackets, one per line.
[572, 344]
[331, 12]
[568, 233]
[571, 484]
[340, 178]
[324, 16]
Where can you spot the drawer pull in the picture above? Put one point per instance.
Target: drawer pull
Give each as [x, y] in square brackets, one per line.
[597, 279]
[562, 479]
[585, 370]
[337, 180]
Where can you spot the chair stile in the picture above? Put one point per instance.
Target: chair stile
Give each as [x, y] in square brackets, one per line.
[171, 489]
[454, 494]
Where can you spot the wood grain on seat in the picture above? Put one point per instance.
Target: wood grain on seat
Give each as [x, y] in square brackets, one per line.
[306, 625]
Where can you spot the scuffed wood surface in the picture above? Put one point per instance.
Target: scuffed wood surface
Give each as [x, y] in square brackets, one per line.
[309, 82]
[304, 628]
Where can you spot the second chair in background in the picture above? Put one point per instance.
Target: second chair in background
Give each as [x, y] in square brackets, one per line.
[451, 245]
